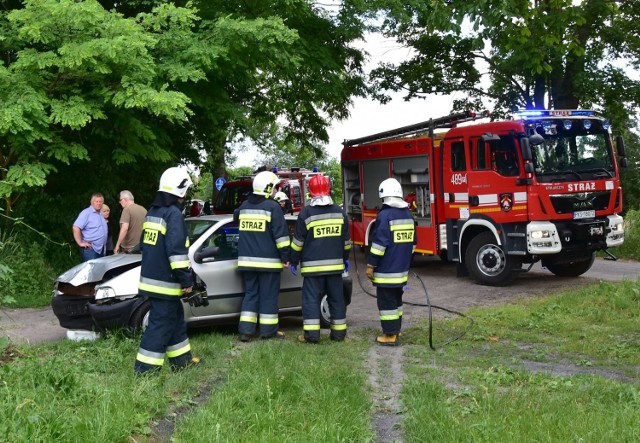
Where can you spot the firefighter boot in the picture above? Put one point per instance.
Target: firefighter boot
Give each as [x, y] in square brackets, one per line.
[303, 339]
[387, 340]
[195, 361]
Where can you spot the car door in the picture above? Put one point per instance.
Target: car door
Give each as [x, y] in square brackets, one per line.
[225, 285]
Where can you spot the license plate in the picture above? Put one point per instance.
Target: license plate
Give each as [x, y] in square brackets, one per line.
[584, 214]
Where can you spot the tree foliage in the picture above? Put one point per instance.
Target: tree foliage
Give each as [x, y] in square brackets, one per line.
[518, 53]
[103, 95]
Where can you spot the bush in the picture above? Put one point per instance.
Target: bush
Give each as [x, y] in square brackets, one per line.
[630, 249]
[28, 268]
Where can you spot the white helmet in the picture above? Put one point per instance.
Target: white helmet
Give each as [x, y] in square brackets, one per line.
[390, 188]
[175, 181]
[264, 182]
[280, 196]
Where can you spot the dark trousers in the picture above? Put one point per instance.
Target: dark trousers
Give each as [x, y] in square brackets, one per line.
[89, 254]
[165, 334]
[313, 288]
[260, 303]
[390, 307]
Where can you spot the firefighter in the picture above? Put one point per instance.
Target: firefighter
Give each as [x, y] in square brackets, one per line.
[284, 202]
[321, 245]
[389, 258]
[165, 277]
[263, 251]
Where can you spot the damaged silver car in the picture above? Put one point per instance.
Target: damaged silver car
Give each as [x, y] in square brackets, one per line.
[102, 294]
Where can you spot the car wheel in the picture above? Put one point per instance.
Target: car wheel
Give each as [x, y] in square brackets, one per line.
[325, 316]
[140, 318]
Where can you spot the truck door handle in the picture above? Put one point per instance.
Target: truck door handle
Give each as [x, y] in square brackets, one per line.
[474, 200]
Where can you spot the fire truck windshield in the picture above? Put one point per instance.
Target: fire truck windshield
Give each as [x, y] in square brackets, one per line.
[574, 154]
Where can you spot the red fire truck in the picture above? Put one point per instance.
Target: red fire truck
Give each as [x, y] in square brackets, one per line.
[294, 183]
[494, 196]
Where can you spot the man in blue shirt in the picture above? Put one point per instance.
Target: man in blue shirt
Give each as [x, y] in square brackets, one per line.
[90, 229]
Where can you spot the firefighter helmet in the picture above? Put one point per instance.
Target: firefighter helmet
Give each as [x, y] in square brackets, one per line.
[319, 186]
[175, 181]
[280, 196]
[264, 182]
[390, 188]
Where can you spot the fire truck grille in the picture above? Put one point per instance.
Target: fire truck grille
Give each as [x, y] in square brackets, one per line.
[568, 203]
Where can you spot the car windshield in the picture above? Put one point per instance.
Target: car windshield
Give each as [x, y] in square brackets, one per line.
[574, 154]
[196, 227]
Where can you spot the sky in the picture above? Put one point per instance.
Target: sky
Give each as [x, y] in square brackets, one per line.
[369, 116]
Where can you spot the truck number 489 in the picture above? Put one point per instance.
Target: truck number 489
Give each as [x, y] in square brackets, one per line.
[459, 179]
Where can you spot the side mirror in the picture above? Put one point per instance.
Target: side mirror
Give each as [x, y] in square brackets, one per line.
[199, 256]
[528, 168]
[623, 162]
[525, 149]
[620, 146]
[536, 139]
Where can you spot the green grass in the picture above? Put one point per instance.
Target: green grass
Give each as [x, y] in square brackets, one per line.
[266, 391]
[551, 369]
[556, 369]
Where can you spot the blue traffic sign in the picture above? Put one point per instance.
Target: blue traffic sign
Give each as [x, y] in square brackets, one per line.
[219, 182]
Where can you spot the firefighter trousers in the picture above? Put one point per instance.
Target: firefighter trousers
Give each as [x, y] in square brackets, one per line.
[313, 288]
[390, 307]
[260, 304]
[166, 334]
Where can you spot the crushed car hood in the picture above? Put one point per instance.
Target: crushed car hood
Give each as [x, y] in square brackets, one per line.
[95, 270]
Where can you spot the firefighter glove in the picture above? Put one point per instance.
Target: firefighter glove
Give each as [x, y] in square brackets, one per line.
[370, 272]
[346, 266]
[293, 269]
[198, 299]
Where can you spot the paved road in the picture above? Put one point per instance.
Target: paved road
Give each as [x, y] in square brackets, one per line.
[445, 290]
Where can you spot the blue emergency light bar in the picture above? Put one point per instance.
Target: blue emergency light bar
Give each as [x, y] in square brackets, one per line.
[537, 113]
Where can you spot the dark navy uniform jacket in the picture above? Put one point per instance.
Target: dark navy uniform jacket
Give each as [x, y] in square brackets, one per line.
[394, 241]
[264, 235]
[165, 261]
[321, 241]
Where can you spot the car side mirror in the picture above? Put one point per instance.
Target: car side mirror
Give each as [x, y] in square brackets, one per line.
[200, 255]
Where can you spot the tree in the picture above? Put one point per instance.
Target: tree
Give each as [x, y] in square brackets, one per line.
[518, 53]
[121, 90]
[80, 84]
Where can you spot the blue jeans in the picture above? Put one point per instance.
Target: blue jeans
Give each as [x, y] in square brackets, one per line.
[89, 254]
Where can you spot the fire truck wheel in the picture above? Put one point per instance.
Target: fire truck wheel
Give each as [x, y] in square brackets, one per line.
[488, 264]
[571, 269]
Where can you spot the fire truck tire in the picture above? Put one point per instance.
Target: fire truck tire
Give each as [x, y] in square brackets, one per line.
[572, 269]
[488, 264]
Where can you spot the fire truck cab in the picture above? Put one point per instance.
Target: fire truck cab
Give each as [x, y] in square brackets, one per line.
[497, 195]
[294, 183]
